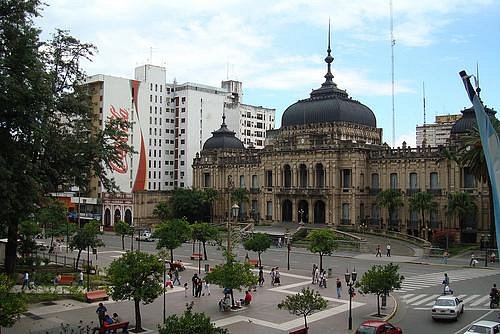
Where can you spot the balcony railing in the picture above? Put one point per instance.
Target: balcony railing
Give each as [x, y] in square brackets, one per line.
[372, 221]
[374, 191]
[254, 190]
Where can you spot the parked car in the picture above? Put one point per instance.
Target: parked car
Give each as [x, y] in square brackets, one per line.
[447, 307]
[144, 236]
[377, 327]
[484, 327]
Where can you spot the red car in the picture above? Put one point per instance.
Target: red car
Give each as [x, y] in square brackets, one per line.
[377, 327]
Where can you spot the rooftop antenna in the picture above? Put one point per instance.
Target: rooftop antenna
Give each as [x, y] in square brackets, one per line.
[424, 140]
[393, 42]
[476, 81]
[227, 70]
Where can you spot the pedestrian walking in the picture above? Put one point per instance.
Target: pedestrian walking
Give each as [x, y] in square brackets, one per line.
[277, 276]
[378, 251]
[279, 242]
[26, 281]
[194, 281]
[445, 257]
[313, 274]
[339, 287]
[446, 285]
[206, 288]
[198, 288]
[80, 278]
[185, 289]
[101, 313]
[273, 276]
[388, 250]
[316, 275]
[472, 260]
[176, 277]
[261, 276]
[322, 279]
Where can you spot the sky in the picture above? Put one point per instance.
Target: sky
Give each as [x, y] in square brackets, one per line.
[277, 49]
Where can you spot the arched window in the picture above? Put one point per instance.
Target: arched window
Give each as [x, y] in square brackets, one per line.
[303, 176]
[287, 176]
[320, 176]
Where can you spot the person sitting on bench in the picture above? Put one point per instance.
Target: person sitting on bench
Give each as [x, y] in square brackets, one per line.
[248, 298]
[225, 303]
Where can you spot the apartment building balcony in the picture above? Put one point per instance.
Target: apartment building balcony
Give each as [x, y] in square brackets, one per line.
[254, 190]
[435, 191]
[412, 191]
[374, 191]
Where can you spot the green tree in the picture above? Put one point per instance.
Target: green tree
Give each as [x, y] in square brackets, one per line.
[46, 125]
[190, 323]
[380, 280]
[391, 199]
[162, 211]
[239, 196]
[232, 275]
[171, 234]
[85, 238]
[28, 229]
[188, 204]
[322, 242]
[123, 229]
[258, 242]
[204, 232]
[423, 202]
[12, 305]
[136, 276]
[304, 303]
[52, 216]
[459, 205]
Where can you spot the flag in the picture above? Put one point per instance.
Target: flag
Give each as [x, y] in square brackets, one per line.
[491, 149]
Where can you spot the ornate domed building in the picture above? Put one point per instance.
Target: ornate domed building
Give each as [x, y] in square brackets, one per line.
[327, 163]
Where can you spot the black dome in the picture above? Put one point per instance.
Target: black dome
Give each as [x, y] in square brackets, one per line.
[223, 139]
[468, 120]
[328, 104]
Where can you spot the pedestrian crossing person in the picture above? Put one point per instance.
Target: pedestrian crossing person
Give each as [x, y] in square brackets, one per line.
[313, 274]
[339, 288]
[446, 285]
[388, 250]
[378, 251]
[272, 274]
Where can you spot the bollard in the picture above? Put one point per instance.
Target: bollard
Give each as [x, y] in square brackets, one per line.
[329, 272]
[384, 301]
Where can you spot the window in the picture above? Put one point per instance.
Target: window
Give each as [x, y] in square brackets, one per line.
[254, 181]
[394, 180]
[361, 180]
[434, 180]
[287, 176]
[375, 181]
[269, 178]
[345, 211]
[303, 176]
[469, 179]
[269, 209]
[207, 182]
[183, 99]
[375, 211]
[242, 181]
[413, 181]
[183, 120]
[345, 178]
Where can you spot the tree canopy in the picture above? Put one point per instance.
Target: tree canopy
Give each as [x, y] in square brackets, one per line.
[123, 229]
[391, 199]
[204, 232]
[47, 130]
[423, 202]
[232, 275]
[12, 305]
[322, 242]
[192, 205]
[304, 303]
[86, 237]
[460, 204]
[136, 276]
[28, 229]
[380, 280]
[258, 242]
[171, 234]
[190, 323]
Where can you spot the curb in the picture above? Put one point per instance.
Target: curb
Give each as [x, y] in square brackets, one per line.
[393, 313]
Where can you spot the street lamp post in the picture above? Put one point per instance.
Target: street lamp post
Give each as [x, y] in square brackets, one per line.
[485, 239]
[289, 247]
[234, 210]
[164, 292]
[350, 279]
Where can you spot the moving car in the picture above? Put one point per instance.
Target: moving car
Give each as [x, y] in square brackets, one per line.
[144, 236]
[484, 327]
[377, 327]
[447, 307]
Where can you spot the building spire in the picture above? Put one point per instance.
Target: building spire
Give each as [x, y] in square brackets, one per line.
[328, 60]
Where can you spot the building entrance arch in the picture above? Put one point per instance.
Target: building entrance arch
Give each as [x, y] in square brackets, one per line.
[303, 211]
[286, 211]
[319, 212]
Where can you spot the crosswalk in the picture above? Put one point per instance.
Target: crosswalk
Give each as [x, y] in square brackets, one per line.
[410, 284]
[425, 299]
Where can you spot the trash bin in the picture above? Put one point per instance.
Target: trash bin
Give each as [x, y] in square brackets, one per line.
[207, 267]
[329, 272]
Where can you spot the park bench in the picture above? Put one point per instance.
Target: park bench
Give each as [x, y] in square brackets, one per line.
[114, 326]
[253, 262]
[96, 295]
[196, 256]
[66, 279]
[299, 331]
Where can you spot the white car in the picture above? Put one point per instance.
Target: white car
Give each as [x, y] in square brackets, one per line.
[144, 236]
[447, 307]
[484, 327]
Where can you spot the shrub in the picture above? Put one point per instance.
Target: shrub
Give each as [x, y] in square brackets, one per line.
[439, 238]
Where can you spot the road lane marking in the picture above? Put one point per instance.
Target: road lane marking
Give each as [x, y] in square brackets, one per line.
[432, 297]
[467, 326]
[480, 300]
[411, 300]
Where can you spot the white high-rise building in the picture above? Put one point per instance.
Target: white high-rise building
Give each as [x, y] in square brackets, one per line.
[438, 133]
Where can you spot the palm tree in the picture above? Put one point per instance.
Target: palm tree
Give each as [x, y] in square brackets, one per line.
[390, 199]
[239, 196]
[423, 202]
[471, 154]
[459, 205]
